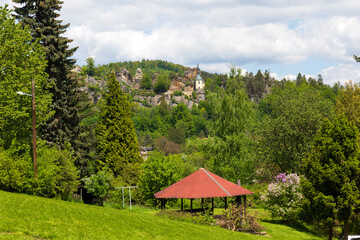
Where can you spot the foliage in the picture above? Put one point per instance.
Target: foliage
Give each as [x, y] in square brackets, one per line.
[238, 219]
[99, 184]
[162, 84]
[21, 61]
[231, 158]
[331, 188]
[146, 82]
[42, 19]
[290, 118]
[159, 172]
[177, 135]
[357, 58]
[15, 173]
[232, 111]
[283, 198]
[348, 103]
[57, 175]
[117, 145]
[89, 68]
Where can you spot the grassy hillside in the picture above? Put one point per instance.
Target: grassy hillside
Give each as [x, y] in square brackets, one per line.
[28, 217]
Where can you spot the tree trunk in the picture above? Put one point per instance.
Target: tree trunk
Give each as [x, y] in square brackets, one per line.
[331, 232]
[346, 229]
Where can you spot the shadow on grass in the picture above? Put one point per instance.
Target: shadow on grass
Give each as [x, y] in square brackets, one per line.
[296, 226]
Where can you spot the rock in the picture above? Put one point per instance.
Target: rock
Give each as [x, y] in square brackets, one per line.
[176, 85]
[124, 76]
[138, 75]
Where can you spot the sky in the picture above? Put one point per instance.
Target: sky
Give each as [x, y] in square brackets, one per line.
[285, 37]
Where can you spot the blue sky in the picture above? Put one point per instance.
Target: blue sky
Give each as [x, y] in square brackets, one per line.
[283, 36]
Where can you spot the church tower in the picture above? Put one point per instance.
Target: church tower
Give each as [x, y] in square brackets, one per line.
[199, 82]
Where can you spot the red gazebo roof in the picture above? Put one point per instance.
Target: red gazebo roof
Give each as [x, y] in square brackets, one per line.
[202, 184]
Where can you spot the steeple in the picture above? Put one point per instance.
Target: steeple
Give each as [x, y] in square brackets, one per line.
[199, 82]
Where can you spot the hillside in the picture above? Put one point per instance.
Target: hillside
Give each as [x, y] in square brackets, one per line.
[29, 217]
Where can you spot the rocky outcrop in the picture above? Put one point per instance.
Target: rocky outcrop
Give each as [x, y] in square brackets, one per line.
[138, 75]
[124, 76]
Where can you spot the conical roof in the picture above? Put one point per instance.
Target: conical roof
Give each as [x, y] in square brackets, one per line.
[202, 184]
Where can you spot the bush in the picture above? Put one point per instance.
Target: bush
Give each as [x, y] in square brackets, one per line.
[57, 175]
[99, 184]
[283, 198]
[178, 93]
[237, 219]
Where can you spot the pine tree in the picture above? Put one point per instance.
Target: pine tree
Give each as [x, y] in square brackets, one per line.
[117, 146]
[41, 18]
[331, 187]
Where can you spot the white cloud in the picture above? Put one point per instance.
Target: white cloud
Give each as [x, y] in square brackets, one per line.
[342, 73]
[215, 33]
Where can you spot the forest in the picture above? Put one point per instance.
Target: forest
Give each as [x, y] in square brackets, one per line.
[294, 142]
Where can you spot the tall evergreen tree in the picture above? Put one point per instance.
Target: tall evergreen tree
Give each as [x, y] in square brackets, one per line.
[41, 17]
[118, 147]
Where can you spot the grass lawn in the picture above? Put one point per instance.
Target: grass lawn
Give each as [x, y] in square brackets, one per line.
[29, 217]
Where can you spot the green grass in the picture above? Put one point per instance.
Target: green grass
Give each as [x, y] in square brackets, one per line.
[29, 217]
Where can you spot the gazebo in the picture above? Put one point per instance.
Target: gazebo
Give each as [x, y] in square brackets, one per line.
[202, 184]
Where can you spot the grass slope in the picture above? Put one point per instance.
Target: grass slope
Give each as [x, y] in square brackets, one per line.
[29, 217]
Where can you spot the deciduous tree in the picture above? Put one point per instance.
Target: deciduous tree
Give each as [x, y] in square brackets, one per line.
[21, 61]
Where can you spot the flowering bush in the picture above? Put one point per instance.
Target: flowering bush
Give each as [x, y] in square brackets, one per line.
[283, 198]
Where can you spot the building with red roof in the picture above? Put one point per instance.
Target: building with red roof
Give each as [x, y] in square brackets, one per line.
[202, 184]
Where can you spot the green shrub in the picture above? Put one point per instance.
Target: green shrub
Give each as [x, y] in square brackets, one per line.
[99, 184]
[57, 175]
[178, 93]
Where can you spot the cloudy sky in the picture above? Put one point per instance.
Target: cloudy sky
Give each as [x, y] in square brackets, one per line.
[284, 37]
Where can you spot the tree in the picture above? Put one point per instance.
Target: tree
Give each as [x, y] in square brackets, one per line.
[290, 120]
[42, 19]
[146, 82]
[231, 109]
[331, 185]
[162, 84]
[89, 68]
[348, 103]
[117, 145]
[228, 153]
[21, 61]
[357, 58]
[159, 172]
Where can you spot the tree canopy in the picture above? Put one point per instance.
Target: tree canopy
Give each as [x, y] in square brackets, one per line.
[118, 148]
[332, 169]
[21, 61]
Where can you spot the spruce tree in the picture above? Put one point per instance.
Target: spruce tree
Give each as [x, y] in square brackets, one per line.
[117, 145]
[41, 17]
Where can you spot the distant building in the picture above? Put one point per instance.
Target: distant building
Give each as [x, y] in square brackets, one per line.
[199, 82]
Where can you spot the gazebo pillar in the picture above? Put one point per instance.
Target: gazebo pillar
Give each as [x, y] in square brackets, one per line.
[225, 202]
[212, 205]
[191, 206]
[182, 204]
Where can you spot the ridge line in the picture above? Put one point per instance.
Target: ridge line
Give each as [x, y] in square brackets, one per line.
[217, 183]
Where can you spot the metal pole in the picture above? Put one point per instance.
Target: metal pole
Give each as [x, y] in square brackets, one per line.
[130, 197]
[122, 189]
[34, 127]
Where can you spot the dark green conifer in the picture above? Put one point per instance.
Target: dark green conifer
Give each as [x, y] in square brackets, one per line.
[118, 148]
[41, 17]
